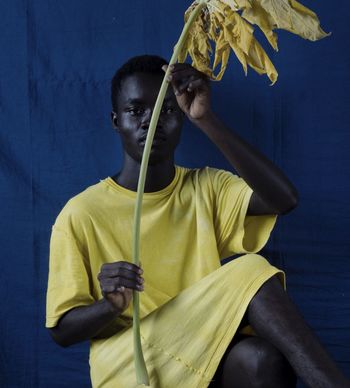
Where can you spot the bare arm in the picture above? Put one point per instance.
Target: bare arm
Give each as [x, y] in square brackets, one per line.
[117, 282]
[83, 323]
[273, 192]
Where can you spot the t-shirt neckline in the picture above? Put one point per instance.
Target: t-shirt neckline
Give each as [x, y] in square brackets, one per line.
[155, 194]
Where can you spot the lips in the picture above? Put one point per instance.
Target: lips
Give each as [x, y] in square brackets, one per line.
[159, 137]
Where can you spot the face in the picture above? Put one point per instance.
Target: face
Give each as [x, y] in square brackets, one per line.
[135, 103]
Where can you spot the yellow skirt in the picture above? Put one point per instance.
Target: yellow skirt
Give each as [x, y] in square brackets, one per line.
[184, 340]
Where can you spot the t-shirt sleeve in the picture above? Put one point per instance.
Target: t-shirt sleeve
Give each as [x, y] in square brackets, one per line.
[236, 232]
[69, 274]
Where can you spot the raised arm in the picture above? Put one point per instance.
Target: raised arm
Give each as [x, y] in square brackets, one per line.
[273, 193]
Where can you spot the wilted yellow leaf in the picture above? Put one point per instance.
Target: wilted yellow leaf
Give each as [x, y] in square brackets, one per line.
[284, 14]
[260, 62]
[221, 23]
[237, 4]
[258, 15]
[305, 22]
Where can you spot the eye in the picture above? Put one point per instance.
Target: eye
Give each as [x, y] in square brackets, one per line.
[168, 110]
[136, 111]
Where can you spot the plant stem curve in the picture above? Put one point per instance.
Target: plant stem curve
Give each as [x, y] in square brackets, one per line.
[140, 365]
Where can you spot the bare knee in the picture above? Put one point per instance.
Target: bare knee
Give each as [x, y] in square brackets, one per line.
[255, 363]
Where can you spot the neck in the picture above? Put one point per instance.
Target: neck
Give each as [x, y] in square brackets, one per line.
[158, 175]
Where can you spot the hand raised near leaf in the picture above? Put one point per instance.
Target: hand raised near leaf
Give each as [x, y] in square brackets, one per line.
[192, 90]
[117, 282]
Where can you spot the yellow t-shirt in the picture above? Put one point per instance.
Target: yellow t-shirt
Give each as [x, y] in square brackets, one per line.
[186, 229]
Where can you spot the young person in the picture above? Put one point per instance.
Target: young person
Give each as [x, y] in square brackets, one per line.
[202, 323]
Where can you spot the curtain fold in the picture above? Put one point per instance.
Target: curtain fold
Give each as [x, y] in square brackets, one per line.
[57, 59]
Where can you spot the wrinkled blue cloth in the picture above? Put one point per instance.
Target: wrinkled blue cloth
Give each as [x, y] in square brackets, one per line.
[57, 59]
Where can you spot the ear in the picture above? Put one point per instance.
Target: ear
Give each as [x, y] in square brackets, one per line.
[114, 119]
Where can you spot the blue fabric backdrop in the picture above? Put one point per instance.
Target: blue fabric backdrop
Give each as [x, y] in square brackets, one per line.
[57, 59]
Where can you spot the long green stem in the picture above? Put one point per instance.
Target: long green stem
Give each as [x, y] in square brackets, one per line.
[140, 366]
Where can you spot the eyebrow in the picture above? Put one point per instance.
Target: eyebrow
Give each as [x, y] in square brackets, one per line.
[141, 101]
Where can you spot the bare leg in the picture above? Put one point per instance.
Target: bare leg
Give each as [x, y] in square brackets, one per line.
[251, 362]
[275, 318]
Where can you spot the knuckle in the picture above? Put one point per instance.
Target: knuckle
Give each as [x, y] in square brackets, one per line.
[103, 284]
[105, 289]
[131, 266]
[103, 267]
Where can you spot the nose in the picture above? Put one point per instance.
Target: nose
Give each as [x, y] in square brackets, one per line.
[147, 119]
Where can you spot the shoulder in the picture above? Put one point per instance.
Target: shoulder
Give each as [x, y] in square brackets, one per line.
[202, 173]
[79, 208]
[208, 175]
[210, 181]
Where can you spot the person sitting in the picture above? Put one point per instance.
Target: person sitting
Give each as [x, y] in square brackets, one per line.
[202, 323]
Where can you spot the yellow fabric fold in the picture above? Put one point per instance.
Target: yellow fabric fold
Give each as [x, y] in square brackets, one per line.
[184, 340]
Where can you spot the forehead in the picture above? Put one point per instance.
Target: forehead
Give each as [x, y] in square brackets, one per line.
[142, 87]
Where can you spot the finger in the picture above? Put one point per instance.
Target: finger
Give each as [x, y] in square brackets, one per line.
[112, 285]
[108, 287]
[196, 84]
[120, 281]
[184, 86]
[175, 67]
[169, 70]
[180, 86]
[122, 264]
[126, 292]
[124, 281]
[121, 289]
[120, 272]
[191, 85]
[183, 75]
[181, 78]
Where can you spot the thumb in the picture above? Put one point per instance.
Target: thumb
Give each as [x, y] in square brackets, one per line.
[164, 68]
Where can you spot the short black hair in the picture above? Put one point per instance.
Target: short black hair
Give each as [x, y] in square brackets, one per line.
[141, 64]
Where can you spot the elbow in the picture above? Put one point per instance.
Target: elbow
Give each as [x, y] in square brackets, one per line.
[291, 204]
[58, 338]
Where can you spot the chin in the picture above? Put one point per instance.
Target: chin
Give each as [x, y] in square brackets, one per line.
[156, 156]
[156, 159]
